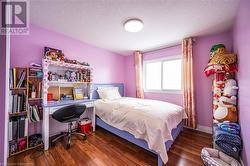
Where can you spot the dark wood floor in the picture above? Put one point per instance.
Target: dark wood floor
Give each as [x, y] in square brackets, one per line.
[106, 149]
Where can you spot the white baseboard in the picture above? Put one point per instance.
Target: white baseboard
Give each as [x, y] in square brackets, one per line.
[204, 129]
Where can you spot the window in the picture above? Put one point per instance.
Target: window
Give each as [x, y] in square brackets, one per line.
[163, 75]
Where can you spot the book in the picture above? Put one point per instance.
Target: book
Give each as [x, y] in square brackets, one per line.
[26, 127]
[14, 129]
[21, 79]
[14, 104]
[14, 77]
[21, 129]
[11, 79]
[18, 103]
[10, 131]
[13, 148]
[10, 102]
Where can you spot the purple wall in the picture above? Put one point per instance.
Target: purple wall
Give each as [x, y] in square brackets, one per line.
[203, 85]
[241, 36]
[2, 95]
[108, 67]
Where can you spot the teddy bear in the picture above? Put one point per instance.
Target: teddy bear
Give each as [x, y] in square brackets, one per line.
[228, 101]
[225, 109]
[230, 88]
[222, 114]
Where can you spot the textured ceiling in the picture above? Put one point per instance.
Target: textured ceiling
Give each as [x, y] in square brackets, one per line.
[166, 22]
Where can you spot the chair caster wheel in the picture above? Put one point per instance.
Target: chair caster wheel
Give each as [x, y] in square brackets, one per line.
[84, 137]
[67, 146]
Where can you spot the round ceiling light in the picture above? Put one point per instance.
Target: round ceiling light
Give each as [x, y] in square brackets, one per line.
[133, 25]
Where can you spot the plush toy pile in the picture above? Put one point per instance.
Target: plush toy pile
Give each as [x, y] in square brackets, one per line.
[222, 66]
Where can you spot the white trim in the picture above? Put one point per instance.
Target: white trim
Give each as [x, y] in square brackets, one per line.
[170, 91]
[205, 129]
[6, 116]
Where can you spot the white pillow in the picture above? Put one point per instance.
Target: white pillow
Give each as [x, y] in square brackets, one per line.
[108, 93]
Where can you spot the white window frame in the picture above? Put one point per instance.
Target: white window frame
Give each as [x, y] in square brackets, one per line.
[162, 60]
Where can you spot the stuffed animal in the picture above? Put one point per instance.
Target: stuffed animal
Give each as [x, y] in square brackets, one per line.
[225, 109]
[230, 88]
[217, 92]
[217, 68]
[227, 102]
[218, 84]
[222, 114]
[73, 76]
[219, 55]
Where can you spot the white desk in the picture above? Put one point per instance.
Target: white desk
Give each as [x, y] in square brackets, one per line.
[51, 107]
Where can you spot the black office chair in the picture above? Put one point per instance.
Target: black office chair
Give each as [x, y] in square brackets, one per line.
[69, 114]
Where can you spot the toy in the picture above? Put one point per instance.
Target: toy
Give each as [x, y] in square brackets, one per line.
[227, 102]
[53, 54]
[217, 68]
[67, 75]
[217, 92]
[222, 114]
[218, 84]
[73, 76]
[219, 55]
[230, 88]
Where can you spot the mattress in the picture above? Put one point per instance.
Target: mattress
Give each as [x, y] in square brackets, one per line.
[150, 120]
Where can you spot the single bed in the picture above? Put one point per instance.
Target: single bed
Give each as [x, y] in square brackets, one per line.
[150, 124]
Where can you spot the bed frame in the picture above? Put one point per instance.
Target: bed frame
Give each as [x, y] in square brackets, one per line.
[126, 135]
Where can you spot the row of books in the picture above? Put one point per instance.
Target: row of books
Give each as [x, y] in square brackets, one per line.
[17, 80]
[35, 113]
[17, 103]
[18, 128]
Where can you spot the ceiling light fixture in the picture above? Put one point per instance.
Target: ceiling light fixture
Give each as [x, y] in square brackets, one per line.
[133, 25]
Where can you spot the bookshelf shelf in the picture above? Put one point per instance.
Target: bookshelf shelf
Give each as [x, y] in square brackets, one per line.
[63, 64]
[34, 99]
[24, 88]
[29, 148]
[65, 82]
[37, 77]
[22, 113]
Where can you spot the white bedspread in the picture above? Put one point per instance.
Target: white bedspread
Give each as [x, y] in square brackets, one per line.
[150, 120]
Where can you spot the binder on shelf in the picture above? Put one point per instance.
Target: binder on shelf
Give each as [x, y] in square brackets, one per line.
[10, 131]
[14, 77]
[21, 124]
[14, 129]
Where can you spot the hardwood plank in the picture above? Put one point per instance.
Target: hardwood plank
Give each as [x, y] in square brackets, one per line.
[102, 148]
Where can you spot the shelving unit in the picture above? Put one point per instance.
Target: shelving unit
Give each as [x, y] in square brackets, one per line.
[63, 86]
[19, 119]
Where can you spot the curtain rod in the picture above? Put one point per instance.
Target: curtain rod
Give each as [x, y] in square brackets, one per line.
[161, 48]
[169, 46]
